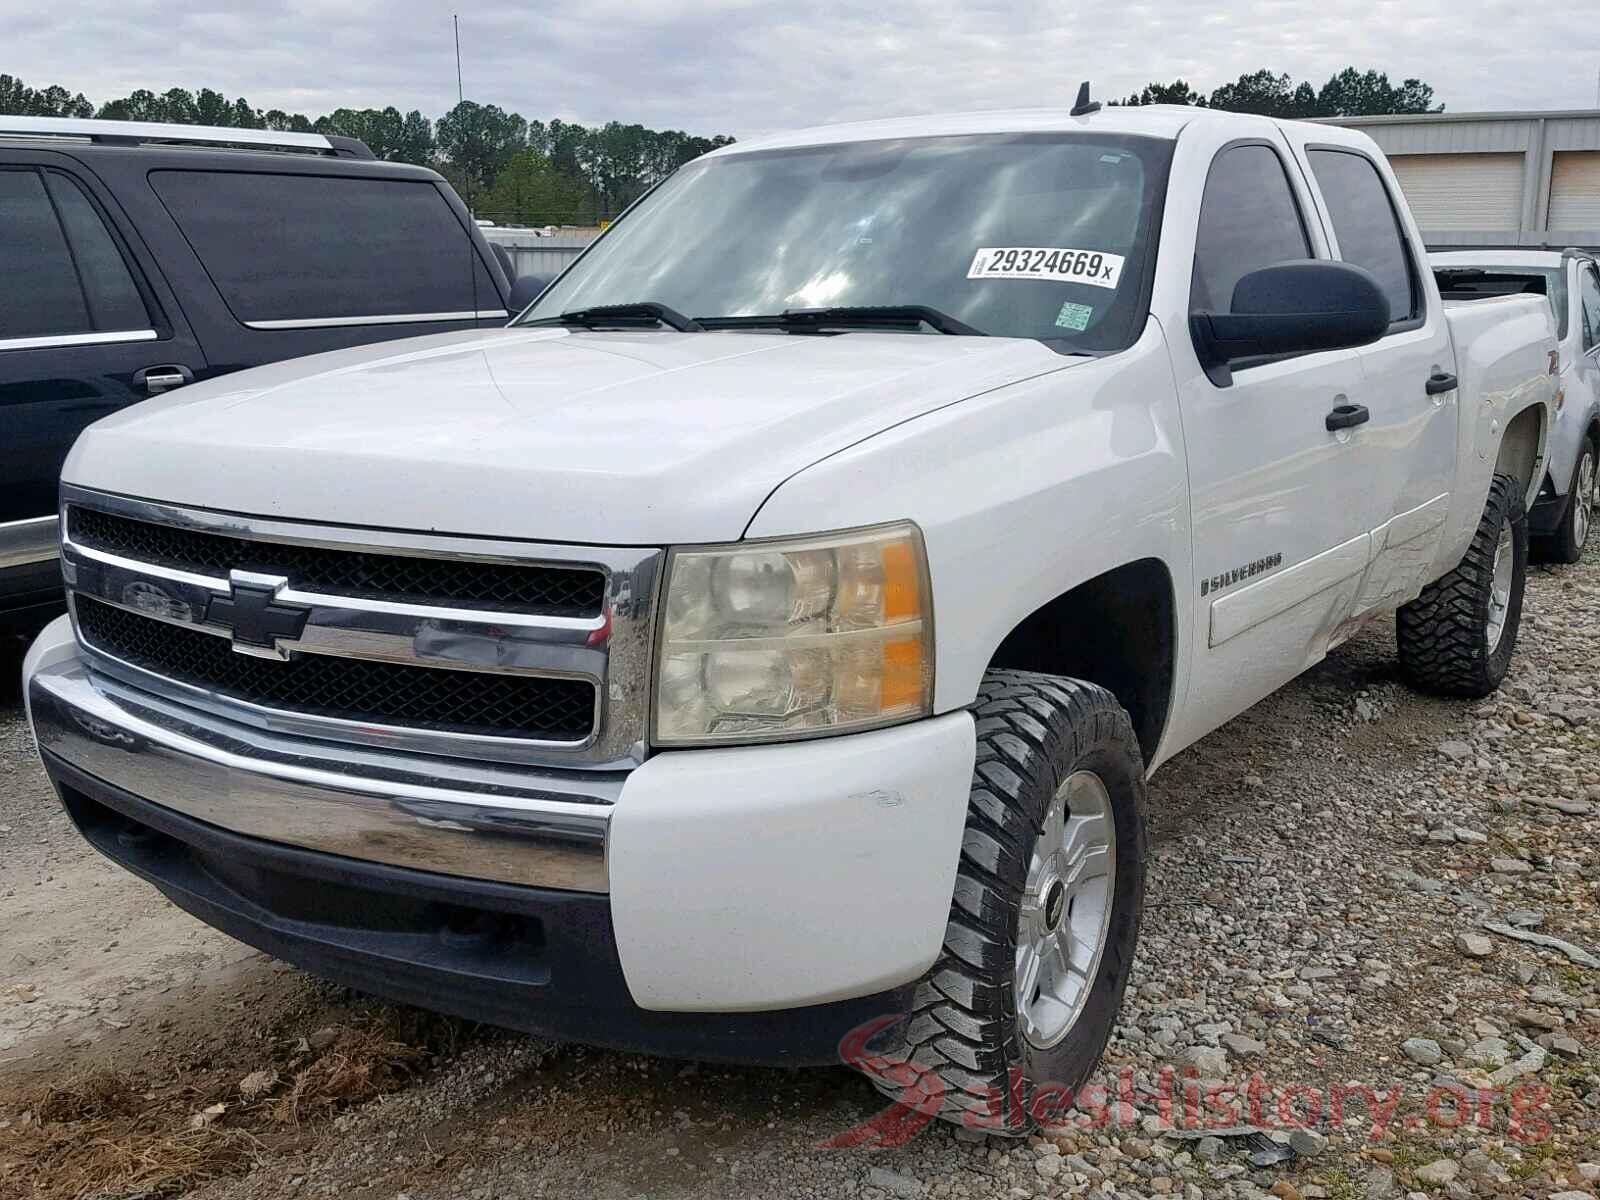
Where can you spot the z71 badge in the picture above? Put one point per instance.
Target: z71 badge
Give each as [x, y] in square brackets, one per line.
[1239, 574]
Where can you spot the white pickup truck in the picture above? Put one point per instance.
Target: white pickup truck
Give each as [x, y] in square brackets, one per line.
[767, 636]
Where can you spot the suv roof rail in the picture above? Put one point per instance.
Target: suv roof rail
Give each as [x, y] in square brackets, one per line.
[349, 147]
[144, 132]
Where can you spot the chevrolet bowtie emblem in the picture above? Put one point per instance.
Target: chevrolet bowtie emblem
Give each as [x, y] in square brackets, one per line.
[257, 619]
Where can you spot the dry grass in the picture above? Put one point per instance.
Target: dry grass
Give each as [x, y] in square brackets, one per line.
[102, 1136]
[96, 1136]
[91, 1160]
[360, 1064]
[98, 1095]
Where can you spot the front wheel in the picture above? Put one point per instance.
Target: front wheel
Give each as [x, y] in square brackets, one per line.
[1456, 639]
[1013, 1016]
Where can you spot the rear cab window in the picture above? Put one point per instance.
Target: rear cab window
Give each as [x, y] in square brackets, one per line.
[1367, 226]
[290, 251]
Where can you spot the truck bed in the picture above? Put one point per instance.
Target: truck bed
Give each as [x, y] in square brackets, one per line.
[1505, 347]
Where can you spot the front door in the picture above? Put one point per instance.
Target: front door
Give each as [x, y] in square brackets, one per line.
[1279, 540]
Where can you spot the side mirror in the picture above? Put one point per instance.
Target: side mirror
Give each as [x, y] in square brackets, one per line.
[525, 290]
[1292, 308]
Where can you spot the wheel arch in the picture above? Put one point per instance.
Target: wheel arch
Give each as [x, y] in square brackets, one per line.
[1521, 453]
[1117, 629]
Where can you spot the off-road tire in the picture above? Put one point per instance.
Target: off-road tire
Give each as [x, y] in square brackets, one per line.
[1443, 634]
[960, 1054]
[1564, 544]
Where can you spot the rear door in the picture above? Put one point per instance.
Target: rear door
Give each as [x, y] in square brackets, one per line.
[83, 331]
[1409, 374]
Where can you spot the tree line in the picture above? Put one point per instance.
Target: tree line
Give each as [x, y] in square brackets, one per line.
[507, 168]
[511, 169]
[1349, 93]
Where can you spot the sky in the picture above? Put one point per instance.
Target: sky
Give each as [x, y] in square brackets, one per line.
[745, 67]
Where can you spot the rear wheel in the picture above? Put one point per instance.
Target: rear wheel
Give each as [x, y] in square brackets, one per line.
[1566, 543]
[1015, 1013]
[1457, 638]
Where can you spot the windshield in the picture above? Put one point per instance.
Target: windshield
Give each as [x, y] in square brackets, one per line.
[1478, 283]
[1034, 235]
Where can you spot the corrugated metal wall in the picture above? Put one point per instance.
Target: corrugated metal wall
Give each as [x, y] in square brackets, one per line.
[1559, 201]
[1454, 137]
[545, 257]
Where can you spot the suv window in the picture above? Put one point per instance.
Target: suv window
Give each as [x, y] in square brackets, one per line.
[41, 295]
[1591, 307]
[113, 297]
[1367, 225]
[288, 249]
[60, 281]
[1248, 220]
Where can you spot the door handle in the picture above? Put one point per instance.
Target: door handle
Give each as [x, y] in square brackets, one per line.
[156, 380]
[1347, 416]
[1439, 383]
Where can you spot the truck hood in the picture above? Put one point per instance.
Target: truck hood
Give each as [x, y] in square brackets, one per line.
[608, 438]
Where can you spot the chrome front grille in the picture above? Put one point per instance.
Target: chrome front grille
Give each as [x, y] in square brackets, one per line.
[495, 650]
[546, 588]
[388, 693]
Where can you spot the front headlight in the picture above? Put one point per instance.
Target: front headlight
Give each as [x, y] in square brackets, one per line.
[764, 641]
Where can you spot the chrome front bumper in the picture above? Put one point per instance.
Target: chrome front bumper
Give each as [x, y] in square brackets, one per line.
[25, 542]
[511, 824]
[351, 860]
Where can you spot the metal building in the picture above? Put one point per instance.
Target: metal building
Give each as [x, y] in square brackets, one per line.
[536, 254]
[1496, 179]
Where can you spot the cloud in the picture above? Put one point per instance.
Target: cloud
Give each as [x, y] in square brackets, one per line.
[751, 66]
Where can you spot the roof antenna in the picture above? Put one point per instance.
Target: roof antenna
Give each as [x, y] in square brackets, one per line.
[1085, 106]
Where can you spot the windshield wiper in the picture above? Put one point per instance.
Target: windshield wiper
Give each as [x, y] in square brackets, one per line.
[644, 314]
[878, 316]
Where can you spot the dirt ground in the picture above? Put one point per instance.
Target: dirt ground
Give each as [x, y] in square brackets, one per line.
[143, 1054]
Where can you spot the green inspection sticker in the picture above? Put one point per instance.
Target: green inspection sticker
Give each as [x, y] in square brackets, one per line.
[1074, 317]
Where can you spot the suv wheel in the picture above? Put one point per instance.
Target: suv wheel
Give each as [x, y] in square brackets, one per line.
[1015, 1013]
[1457, 638]
[1566, 543]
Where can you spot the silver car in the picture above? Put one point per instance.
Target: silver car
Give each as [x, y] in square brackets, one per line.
[1563, 515]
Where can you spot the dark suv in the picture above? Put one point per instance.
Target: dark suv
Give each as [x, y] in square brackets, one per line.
[136, 258]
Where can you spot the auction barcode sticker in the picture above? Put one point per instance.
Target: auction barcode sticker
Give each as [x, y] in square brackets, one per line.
[1093, 267]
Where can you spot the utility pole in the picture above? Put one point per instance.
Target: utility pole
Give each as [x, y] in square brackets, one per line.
[455, 23]
[455, 20]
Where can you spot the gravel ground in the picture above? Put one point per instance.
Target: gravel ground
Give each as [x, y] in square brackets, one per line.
[1344, 885]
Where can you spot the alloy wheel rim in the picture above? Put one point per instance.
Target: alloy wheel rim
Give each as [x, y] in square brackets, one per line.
[1586, 496]
[1065, 914]
[1500, 589]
